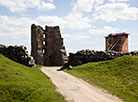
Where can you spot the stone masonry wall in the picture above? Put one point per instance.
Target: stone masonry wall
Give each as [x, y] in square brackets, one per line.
[16, 53]
[117, 42]
[85, 56]
[37, 43]
[54, 51]
[47, 46]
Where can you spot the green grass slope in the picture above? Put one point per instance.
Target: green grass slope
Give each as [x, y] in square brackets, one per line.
[119, 76]
[19, 83]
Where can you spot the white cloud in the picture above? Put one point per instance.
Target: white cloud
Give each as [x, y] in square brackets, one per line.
[114, 11]
[85, 5]
[71, 21]
[51, 20]
[51, 0]
[17, 28]
[104, 31]
[46, 6]
[118, 0]
[74, 37]
[15, 31]
[77, 21]
[20, 26]
[12, 27]
[22, 5]
[98, 2]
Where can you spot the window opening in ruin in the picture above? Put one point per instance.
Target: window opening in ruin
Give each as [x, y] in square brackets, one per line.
[43, 50]
[43, 42]
[44, 36]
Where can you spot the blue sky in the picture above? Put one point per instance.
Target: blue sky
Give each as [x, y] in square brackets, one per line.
[83, 23]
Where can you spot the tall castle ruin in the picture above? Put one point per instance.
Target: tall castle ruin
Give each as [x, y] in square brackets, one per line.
[47, 46]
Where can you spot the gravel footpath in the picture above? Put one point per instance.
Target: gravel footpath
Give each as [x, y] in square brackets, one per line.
[75, 89]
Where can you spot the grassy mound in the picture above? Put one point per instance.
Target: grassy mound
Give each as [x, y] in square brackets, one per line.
[19, 83]
[119, 76]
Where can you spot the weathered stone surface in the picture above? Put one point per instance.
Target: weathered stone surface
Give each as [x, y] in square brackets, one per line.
[37, 43]
[16, 53]
[117, 42]
[51, 46]
[55, 53]
[85, 56]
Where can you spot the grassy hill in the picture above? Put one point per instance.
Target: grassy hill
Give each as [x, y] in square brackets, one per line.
[19, 83]
[119, 76]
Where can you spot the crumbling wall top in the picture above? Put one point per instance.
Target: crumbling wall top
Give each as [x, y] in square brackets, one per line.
[117, 34]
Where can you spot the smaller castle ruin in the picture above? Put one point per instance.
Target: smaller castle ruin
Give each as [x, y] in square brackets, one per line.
[47, 46]
[117, 42]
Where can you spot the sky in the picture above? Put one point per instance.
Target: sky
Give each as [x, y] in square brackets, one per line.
[83, 23]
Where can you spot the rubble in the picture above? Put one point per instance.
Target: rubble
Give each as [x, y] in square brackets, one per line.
[16, 53]
[85, 56]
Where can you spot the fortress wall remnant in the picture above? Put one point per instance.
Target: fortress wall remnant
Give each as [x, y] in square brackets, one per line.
[16, 53]
[37, 43]
[55, 53]
[117, 42]
[85, 56]
[50, 44]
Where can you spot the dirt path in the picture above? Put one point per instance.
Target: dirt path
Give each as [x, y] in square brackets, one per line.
[75, 89]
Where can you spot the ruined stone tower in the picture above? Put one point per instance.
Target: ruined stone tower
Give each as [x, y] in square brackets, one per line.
[37, 43]
[117, 42]
[47, 44]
